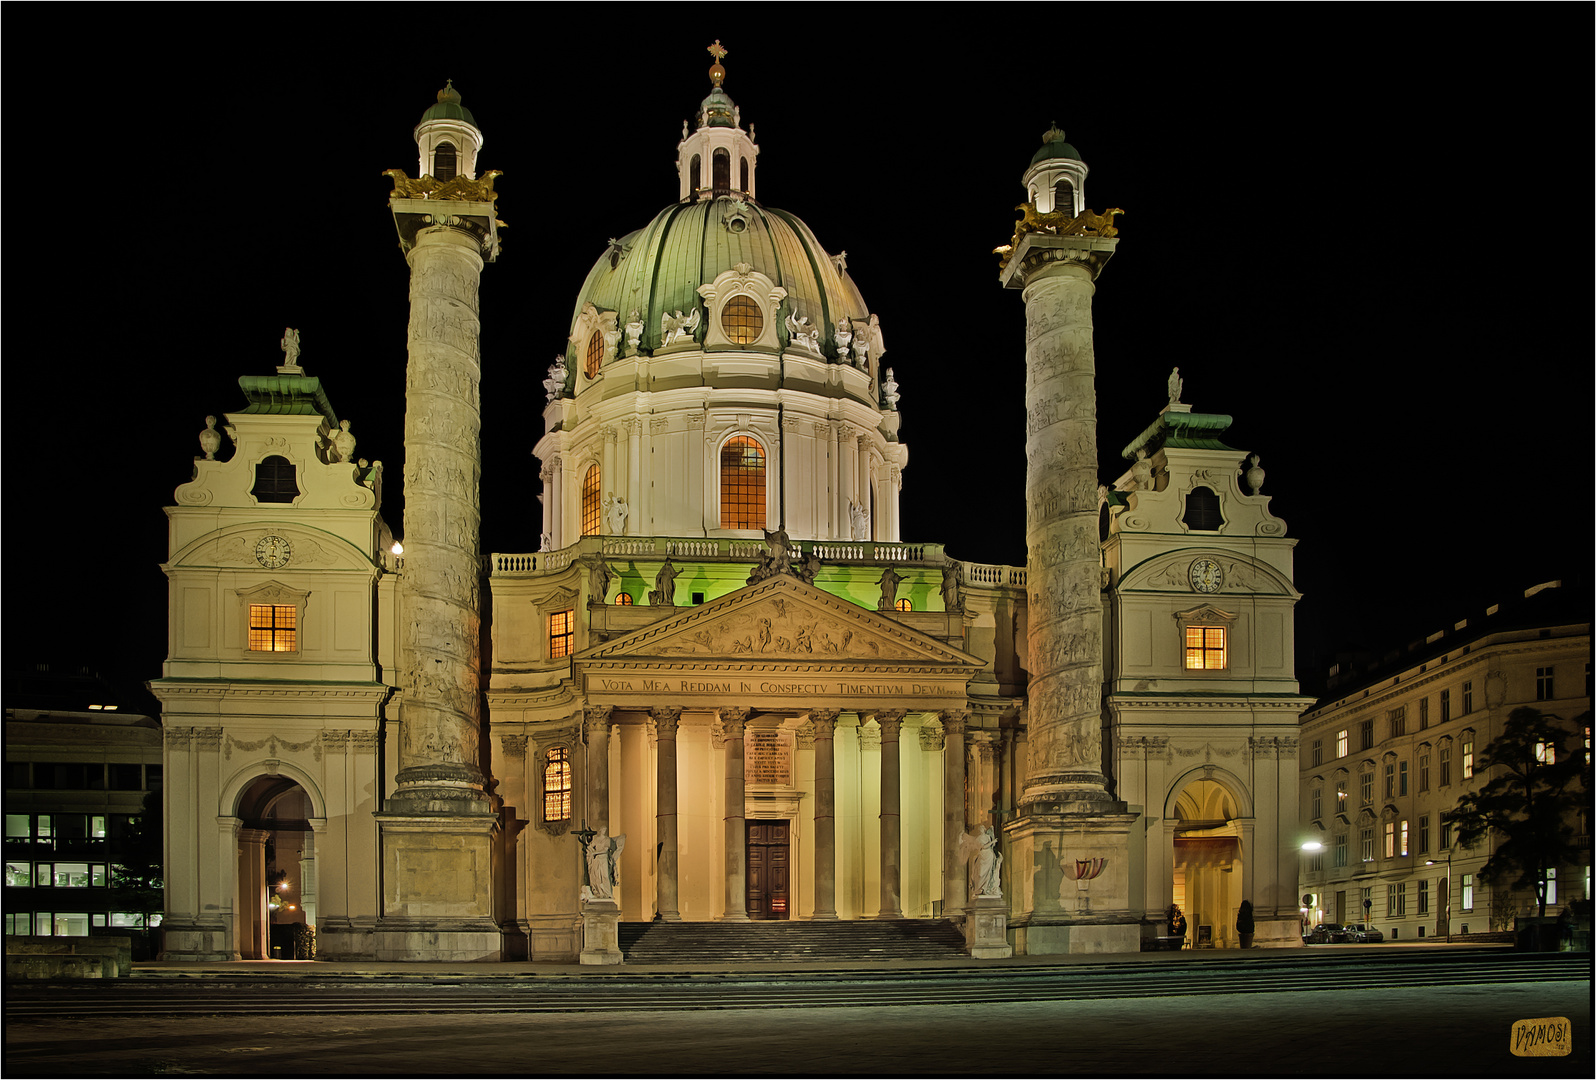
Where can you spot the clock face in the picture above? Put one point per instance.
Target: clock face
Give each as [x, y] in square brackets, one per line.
[272, 552]
[1206, 576]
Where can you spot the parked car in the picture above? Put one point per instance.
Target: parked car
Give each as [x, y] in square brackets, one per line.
[1364, 934]
[1327, 932]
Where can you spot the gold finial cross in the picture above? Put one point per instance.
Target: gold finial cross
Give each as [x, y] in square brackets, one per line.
[716, 51]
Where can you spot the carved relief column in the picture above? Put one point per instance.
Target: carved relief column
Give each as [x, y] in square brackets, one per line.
[954, 822]
[596, 728]
[666, 721]
[864, 489]
[891, 721]
[825, 723]
[733, 721]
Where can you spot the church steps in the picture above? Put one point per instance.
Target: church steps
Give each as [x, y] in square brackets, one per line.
[763, 942]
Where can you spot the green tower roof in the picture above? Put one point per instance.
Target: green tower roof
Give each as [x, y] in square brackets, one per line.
[1054, 146]
[449, 107]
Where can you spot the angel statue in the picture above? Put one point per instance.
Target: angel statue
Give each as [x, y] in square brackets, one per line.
[554, 385]
[802, 334]
[986, 863]
[601, 853]
[674, 326]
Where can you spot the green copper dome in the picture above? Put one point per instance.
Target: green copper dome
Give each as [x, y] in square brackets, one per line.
[449, 107]
[658, 268]
[1054, 146]
[716, 110]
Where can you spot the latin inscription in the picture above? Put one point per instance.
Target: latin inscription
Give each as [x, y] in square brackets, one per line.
[722, 687]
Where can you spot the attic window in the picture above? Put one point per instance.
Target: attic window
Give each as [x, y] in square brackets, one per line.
[445, 162]
[741, 320]
[1202, 511]
[275, 481]
[595, 355]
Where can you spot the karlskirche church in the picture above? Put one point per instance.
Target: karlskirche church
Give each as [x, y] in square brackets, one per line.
[720, 687]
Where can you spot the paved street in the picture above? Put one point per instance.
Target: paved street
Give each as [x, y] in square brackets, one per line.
[1352, 1026]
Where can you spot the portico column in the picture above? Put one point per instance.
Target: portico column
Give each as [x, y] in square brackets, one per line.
[253, 935]
[864, 489]
[732, 722]
[556, 496]
[954, 876]
[634, 462]
[847, 474]
[666, 721]
[984, 748]
[891, 722]
[839, 514]
[825, 725]
[596, 721]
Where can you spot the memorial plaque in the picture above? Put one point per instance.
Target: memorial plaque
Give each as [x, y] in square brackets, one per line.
[767, 757]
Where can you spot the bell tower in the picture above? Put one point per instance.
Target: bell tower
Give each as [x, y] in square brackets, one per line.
[718, 157]
[1069, 844]
[438, 826]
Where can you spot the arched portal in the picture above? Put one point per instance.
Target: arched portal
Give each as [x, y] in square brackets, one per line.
[276, 891]
[1208, 864]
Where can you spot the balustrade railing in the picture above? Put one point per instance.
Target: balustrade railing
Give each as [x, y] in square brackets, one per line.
[728, 548]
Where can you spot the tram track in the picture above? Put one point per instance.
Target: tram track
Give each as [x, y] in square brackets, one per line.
[543, 993]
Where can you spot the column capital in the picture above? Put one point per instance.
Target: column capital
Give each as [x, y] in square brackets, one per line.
[891, 722]
[596, 719]
[1041, 254]
[825, 722]
[734, 715]
[954, 721]
[666, 720]
[932, 736]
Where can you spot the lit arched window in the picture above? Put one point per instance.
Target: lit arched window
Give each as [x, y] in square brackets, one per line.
[595, 355]
[557, 785]
[744, 185]
[623, 599]
[275, 481]
[1202, 510]
[1064, 197]
[742, 484]
[592, 504]
[741, 320]
[445, 161]
[694, 175]
[722, 172]
[903, 604]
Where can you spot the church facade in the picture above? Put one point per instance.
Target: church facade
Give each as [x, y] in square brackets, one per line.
[723, 686]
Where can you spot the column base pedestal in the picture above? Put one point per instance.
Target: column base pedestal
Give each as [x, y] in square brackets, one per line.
[986, 929]
[1071, 878]
[437, 885]
[601, 933]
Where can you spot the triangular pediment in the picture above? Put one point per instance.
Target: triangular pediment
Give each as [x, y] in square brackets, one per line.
[780, 620]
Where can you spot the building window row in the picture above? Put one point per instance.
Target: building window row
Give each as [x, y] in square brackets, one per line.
[59, 875]
[81, 776]
[73, 924]
[65, 830]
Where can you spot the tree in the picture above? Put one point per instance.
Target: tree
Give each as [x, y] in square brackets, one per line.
[1535, 794]
[137, 875]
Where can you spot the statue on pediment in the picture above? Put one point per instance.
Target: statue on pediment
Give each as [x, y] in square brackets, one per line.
[664, 592]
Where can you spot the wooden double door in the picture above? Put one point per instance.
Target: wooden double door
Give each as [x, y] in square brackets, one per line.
[769, 869]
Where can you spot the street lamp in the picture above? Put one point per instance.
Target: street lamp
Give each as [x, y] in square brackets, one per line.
[1311, 847]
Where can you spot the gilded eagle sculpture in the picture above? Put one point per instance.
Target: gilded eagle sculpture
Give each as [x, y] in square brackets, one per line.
[1058, 223]
[459, 189]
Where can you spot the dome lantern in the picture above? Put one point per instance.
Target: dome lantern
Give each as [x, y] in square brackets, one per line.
[448, 138]
[1056, 178]
[717, 158]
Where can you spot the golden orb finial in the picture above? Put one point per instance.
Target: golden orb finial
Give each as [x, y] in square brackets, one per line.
[717, 73]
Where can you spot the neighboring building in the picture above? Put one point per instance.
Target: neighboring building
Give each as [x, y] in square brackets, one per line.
[79, 760]
[723, 649]
[1392, 747]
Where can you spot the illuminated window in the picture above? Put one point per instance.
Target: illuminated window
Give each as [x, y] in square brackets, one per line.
[742, 484]
[1551, 886]
[1543, 684]
[1390, 839]
[1402, 838]
[592, 501]
[741, 320]
[1202, 511]
[1468, 892]
[1468, 759]
[1341, 743]
[1546, 753]
[445, 161]
[595, 355]
[562, 633]
[1341, 799]
[557, 785]
[275, 481]
[721, 172]
[273, 628]
[1205, 648]
[623, 599]
[904, 605]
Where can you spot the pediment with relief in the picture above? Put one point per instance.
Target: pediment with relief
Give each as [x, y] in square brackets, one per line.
[780, 619]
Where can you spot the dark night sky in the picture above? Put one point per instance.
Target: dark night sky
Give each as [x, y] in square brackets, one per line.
[1374, 253]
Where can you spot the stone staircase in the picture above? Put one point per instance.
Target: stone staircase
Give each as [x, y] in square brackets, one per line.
[790, 942]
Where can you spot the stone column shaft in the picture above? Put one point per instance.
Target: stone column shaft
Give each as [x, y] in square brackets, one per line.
[665, 726]
[847, 475]
[439, 646]
[891, 816]
[863, 486]
[733, 721]
[955, 877]
[825, 722]
[634, 465]
[839, 514]
[597, 796]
